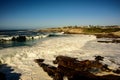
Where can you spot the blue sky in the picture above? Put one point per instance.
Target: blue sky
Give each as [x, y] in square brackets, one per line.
[31, 14]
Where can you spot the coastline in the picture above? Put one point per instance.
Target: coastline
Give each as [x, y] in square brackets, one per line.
[77, 46]
[112, 32]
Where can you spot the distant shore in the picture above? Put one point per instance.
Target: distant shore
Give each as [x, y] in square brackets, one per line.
[99, 32]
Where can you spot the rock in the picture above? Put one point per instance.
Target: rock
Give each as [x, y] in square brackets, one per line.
[84, 65]
[2, 76]
[51, 70]
[110, 77]
[39, 60]
[107, 35]
[19, 39]
[75, 70]
[72, 74]
[116, 71]
[58, 76]
[13, 39]
[98, 58]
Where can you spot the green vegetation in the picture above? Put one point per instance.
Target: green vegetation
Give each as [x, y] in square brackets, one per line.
[100, 30]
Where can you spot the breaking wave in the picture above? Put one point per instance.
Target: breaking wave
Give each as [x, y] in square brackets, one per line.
[78, 46]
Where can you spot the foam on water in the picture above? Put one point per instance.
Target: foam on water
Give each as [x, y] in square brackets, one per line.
[79, 46]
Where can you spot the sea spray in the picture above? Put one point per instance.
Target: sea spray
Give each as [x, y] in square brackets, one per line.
[73, 46]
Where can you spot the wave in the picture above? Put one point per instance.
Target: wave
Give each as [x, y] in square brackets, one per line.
[78, 46]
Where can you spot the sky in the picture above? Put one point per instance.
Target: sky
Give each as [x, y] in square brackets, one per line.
[35, 14]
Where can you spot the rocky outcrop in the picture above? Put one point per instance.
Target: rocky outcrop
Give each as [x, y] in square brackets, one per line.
[19, 38]
[115, 40]
[2, 76]
[76, 70]
[107, 35]
[6, 73]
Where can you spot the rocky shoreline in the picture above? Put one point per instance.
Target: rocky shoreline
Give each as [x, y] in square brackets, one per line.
[82, 47]
[76, 70]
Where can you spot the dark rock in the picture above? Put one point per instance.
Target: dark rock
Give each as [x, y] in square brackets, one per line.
[110, 41]
[13, 39]
[98, 58]
[72, 63]
[51, 70]
[110, 77]
[58, 76]
[72, 74]
[107, 35]
[39, 60]
[19, 39]
[7, 73]
[59, 58]
[115, 41]
[2, 76]
[76, 70]
[116, 71]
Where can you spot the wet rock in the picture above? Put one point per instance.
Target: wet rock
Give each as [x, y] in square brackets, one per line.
[84, 65]
[116, 41]
[107, 35]
[39, 60]
[2, 76]
[110, 77]
[110, 41]
[116, 71]
[19, 39]
[58, 76]
[13, 39]
[51, 70]
[99, 58]
[76, 70]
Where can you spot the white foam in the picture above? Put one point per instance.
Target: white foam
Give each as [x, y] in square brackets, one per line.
[79, 46]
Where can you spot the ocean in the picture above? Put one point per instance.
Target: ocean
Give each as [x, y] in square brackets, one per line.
[83, 47]
[5, 35]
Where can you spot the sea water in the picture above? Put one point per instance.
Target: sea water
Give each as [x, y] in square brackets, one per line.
[82, 47]
[4, 34]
